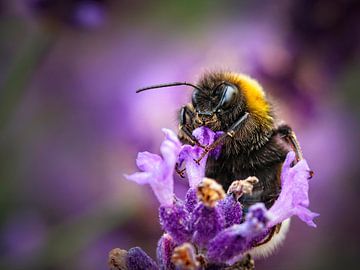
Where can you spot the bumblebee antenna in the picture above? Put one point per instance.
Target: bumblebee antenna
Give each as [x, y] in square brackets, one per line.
[169, 85]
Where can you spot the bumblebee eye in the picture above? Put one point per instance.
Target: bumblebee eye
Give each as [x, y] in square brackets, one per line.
[228, 96]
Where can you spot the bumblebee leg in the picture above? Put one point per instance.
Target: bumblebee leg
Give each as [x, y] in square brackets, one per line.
[288, 134]
[229, 133]
[246, 263]
[185, 130]
[179, 171]
[235, 127]
[184, 126]
[188, 134]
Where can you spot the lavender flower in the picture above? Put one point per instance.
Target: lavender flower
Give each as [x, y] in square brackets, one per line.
[231, 210]
[175, 220]
[188, 154]
[236, 239]
[158, 171]
[207, 219]
[207, 229]
[137, 259]
[293, 199]
[164, 252]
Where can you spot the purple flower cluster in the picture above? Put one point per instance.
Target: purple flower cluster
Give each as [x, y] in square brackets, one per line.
[207, 230]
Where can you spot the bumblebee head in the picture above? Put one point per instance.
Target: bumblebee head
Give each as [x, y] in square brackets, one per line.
[219, 99]
[218, 103]
[226, 96]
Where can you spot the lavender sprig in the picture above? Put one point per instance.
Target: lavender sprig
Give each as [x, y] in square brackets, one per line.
[207, 230]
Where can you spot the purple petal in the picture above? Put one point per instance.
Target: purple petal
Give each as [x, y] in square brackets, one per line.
[162, 188]
[158, 171]
[137, 259]
[207, 223]
[139, 177]
[175, 220]
[170, 149]
[164, 191]
[164, 252]
[194, 171]
[294, 198]
[204, 135]
[306, 215]
[147, 161]
[231, 210]
[189, 154]
[171, 136]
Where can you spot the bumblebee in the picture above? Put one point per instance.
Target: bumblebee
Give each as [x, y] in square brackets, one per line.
[253, 143]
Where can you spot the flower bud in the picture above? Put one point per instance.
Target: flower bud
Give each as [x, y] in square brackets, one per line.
[175, 221]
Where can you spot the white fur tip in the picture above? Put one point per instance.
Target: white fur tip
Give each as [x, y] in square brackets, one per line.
[268, 248]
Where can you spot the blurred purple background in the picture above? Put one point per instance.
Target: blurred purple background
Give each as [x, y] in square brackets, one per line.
[71, 123]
